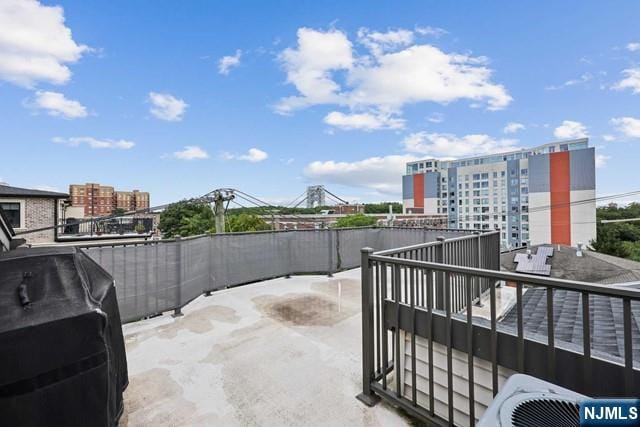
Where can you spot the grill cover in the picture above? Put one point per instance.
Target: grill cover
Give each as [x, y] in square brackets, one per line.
[62, 356]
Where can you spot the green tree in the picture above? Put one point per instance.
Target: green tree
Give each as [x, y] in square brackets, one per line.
[186, 219]
[118, 212]
[382, 208]
[245, 222]
[620, 239]
[356, 220]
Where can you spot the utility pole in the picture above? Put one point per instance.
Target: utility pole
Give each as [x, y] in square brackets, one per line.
[219, 197]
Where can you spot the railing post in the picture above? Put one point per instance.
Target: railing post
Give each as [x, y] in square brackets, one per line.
[440, 258]
[177, 312]
[367, 396]
[479, 265]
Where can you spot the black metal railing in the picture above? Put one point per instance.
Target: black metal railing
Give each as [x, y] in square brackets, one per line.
[110, 226]
[401, 310]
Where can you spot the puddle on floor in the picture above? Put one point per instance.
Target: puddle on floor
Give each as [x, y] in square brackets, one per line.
[308, 309]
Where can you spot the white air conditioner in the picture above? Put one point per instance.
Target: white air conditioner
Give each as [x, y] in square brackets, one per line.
[526, 401]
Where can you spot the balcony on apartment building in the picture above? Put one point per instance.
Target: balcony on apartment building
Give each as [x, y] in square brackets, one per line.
[309, 330]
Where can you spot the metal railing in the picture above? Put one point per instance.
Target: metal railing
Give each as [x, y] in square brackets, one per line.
[111, 226]
[401, 311]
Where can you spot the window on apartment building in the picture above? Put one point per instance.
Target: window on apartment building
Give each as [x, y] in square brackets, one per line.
[524, 172]
[476, 176]
[485, 176]
[12, 212]
[564, 147]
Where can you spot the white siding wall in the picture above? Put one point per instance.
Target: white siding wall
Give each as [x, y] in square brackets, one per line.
[539, 218]
[406, 203]
[482, 379]
[431, 206]
[583, 217]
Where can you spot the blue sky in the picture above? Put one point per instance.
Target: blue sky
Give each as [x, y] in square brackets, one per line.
[179, 98]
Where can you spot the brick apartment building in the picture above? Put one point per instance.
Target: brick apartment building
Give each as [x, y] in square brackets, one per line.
[100, 200]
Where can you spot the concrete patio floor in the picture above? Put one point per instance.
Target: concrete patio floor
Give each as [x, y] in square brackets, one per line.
[282, 352]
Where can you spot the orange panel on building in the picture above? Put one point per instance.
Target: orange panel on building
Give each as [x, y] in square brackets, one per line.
[418, 190]
[560, 188]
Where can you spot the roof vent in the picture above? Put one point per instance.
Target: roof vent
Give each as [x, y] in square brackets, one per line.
[579, 250]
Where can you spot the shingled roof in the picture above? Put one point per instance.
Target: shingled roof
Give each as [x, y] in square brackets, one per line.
[8, 191]
[606, 322]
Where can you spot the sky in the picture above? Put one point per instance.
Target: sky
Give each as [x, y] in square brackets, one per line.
[180, 98]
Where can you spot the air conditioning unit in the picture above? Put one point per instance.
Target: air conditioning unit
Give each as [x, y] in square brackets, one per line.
[526, 401]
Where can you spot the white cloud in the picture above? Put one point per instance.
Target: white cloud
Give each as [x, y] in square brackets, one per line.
[628, 126]
[633, 46]
[119, 144]
[363, 121]
[513, 127]
[227, 63]
[191, 152]
[570, 129]
[422, 73]
[35, 44]
[379, 43]
[631, 81]
[393, 71]
[57, 105]
[377, 173]
[444, 145]
[608, 138]
[253, 155]
[309, 68]
[430, 31]
[586, 77]
[167, 107]
[436, 118]
[601, 160]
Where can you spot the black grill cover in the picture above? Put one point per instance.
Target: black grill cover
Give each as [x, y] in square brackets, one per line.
[62, 356]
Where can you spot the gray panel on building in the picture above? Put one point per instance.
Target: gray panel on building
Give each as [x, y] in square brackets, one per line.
[407, 187]
[431, 183]
[452, 186]
[513, 212]
[539, 173]
[583, 173]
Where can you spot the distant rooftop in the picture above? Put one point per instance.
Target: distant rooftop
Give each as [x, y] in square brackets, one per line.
[591, 267]
[544, 148]
[8, 191]
[607, 331]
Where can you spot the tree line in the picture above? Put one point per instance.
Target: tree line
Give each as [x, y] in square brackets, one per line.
[192, 218]
[621, 239]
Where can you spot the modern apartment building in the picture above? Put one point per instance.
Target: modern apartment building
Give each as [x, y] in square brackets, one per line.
[100, 200]
[534, 196]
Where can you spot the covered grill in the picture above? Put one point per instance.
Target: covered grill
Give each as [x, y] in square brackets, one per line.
[62, 355]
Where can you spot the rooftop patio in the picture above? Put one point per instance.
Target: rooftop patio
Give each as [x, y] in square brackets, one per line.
[277, 352]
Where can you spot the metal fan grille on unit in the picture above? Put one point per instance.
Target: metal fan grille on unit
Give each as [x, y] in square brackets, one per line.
[546, 412]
